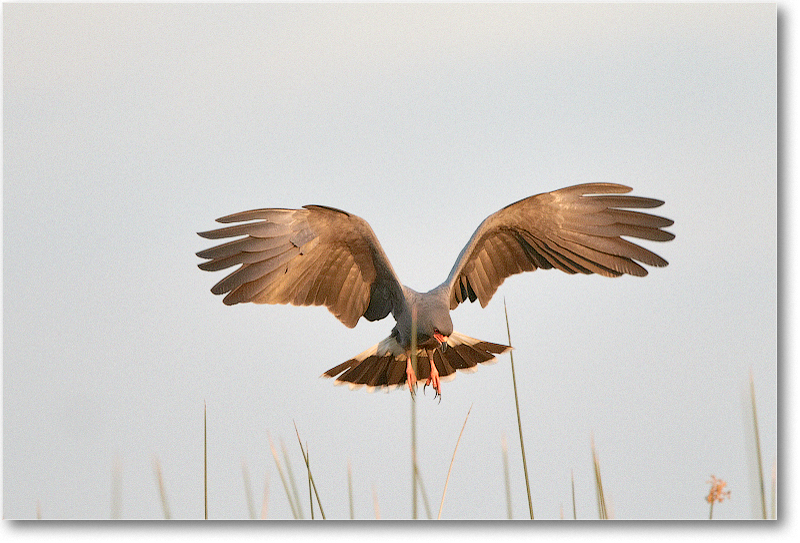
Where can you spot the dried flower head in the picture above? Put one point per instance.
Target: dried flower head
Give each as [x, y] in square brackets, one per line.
[717, 492]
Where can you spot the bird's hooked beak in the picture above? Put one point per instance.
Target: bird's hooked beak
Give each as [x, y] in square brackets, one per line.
[442, 341]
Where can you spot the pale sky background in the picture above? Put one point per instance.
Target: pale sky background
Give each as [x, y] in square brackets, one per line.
[129, 128]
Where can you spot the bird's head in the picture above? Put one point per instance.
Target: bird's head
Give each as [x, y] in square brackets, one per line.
[433, 323]
[441, 326]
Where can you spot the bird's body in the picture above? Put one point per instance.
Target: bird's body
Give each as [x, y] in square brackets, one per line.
[319, 255]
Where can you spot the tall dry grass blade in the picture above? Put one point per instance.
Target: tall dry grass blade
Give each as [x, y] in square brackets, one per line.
[311, 477]
[774, 488]
[283, 478]
[248, 492]
[506, 476]
[519, 419]
[758, 450]
[447, 480]
[205, 459]
[574, 510]
[375, 503]
[601, 500]
[265, 498]
[414, 469]
[424, 494]
[116, 489]
[310, 497]
[290, 474]
[414, 345]
[610, 507]
[38, 510]
[161, 491]
[350, 489]
[413, 416]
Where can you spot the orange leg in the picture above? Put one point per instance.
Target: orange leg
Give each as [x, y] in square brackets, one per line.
[411, 379]
[434, 378]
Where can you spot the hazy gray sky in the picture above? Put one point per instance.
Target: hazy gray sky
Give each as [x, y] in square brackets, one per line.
[129, 128]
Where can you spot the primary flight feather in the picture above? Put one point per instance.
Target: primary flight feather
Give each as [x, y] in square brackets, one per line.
[319, 255]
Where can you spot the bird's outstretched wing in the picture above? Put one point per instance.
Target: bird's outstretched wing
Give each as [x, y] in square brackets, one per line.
[311, 256]
[576, 229]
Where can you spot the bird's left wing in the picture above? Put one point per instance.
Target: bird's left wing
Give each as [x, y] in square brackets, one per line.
[311, 256]
[576, 230]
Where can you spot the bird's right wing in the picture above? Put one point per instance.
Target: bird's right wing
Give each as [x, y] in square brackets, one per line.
[576, 230]
[311, 256]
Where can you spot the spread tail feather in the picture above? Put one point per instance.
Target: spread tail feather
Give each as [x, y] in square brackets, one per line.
[384, 365]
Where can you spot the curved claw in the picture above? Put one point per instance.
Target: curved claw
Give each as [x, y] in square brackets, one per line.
[434, 382]
[411, 387]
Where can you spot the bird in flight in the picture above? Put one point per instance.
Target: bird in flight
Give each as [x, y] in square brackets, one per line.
[319, 255]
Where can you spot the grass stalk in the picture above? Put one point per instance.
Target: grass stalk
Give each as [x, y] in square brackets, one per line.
[310, 477]
[350, 489]
[283, 479]
[716, 493]
[290, 475]
[375, 503]
[574, 510]
[205, 460]
[414, 455]
[161, 491]
[414, 344]
[506, 477]
[265, 498]
[447, 480]
[248, 492]
[310, 497]
[758, 450]
[116, 489]
[414, 416]
[424, 494]
[773, 516]
[519, 419]
[601, 500]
